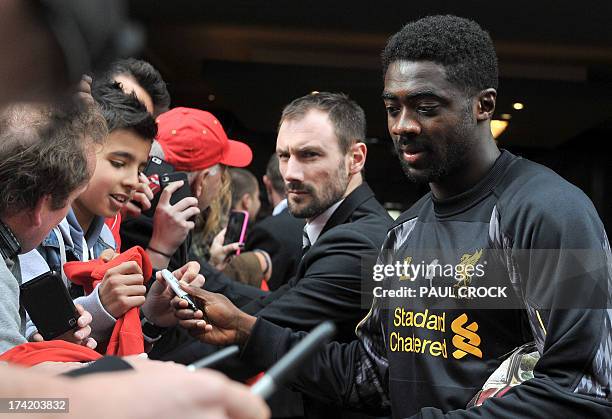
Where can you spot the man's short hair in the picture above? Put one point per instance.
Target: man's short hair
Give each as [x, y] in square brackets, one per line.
[43, 152]
[147, 77]
[460, 45]
[345, 114]
[123, 110]
[243, 182]
[274, 175]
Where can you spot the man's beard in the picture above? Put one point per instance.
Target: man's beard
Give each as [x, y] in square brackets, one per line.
[445, 160]
[321, 200]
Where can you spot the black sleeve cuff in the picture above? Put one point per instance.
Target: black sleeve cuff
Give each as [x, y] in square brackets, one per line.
[266, 344]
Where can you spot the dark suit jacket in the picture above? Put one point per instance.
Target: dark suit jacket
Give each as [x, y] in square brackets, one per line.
[330, 279]
[281, 236]
[328, 283]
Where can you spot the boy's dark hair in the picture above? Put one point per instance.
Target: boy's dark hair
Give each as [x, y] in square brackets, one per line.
[458, 44]
[123, 111]
[274, 174]
[345, 114]
[147, 77]
[243, 182]
[43, 152]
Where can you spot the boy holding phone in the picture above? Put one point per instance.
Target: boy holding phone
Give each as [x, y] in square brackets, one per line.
[83, 235]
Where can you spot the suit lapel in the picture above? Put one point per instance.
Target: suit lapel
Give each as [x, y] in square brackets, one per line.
[355, 199]
[361, 194]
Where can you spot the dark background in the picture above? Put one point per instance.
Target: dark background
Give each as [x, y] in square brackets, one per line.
[244, 60]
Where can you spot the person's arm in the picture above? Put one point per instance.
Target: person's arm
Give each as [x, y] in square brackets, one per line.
[331, 287]
[10, 320]
[353, 374]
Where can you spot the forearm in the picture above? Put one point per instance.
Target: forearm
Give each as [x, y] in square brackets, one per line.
[329, 376]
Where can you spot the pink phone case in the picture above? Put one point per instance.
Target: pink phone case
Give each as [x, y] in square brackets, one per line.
[245, 223]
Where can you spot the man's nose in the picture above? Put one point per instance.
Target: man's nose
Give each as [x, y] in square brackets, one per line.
[406, 124]
[293, 170]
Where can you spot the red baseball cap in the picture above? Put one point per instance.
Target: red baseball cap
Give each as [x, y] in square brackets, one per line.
[193, 139]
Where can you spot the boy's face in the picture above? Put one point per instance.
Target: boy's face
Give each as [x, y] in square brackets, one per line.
[118, 163]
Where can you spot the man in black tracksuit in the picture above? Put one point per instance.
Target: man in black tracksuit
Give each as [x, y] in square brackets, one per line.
[501, 252]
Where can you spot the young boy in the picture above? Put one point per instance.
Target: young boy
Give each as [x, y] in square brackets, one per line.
[82, 235]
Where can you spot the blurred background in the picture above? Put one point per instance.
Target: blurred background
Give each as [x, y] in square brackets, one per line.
[244, 60]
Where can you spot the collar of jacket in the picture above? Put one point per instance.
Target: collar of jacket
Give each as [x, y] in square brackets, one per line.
[361, 194]
[9, 245]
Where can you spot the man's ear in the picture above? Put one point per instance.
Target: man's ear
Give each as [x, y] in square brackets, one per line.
[357, 157]
[486, 104]
[37, 214]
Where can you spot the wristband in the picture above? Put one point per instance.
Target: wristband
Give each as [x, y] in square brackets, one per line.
[265, 256]
[154, 250]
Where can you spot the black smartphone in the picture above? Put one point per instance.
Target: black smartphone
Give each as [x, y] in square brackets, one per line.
[49, 305]
[154, 169]
[183, 192]
[236, 228]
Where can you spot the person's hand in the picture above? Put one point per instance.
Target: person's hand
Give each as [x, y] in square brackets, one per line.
[171, 223]
[161, 301]
[122, 289]
[83, 91]
[107, 255]
[225, 324]
[220, 255]
[80, 336]
[163, 390]
[142, 194]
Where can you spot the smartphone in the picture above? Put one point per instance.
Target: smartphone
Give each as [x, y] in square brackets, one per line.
[182, 192]
[154, 169]
[49, 305]
[174, 284]
[236, 228]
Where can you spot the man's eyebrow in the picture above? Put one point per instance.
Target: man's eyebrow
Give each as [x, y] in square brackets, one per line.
[308, 147]
[413, 95]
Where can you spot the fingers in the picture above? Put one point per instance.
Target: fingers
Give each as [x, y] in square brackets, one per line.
[143, 186]
[185, 203]
[107, 255]
[82, 333]
[197, 292]
[85, 318]
[164, 198]
[188, 272]
[125, 268]
[185, 313]
[37, 337]
[142, 199]
[91, 343]
[134, 301]
[232, 248]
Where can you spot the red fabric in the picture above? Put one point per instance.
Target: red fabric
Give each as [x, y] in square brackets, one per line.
[264, 285]
[114, 223]
[126, 338]
[193, 140]
[33, 353]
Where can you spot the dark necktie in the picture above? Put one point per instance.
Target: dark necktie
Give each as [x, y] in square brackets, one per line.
[305, 241]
